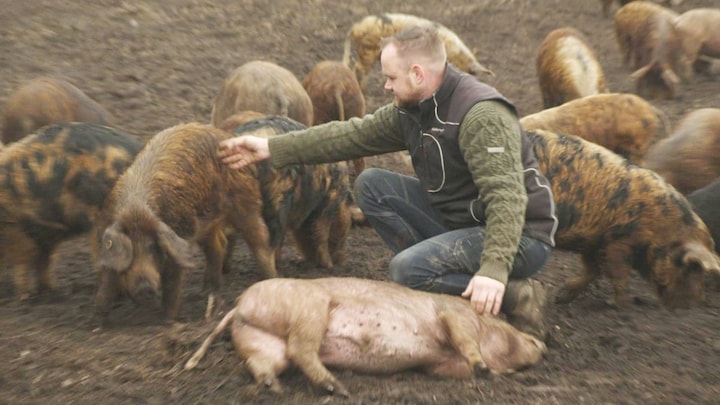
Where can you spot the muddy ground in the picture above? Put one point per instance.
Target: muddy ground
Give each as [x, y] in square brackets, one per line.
[154, 64]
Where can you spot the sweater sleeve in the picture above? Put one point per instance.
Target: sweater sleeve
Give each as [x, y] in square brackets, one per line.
[490, 141]
[334, 141]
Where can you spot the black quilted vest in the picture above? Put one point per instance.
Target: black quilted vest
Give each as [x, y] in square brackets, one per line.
[431, 135]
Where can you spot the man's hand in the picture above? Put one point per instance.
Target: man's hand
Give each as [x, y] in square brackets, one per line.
[243, 150]
[486, 294]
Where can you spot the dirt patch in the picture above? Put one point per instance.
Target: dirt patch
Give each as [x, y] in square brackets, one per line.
[155, 64]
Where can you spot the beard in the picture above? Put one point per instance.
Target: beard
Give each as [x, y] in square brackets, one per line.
[411, 100]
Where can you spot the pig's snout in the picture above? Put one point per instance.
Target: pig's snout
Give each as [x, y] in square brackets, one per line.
[144, 291]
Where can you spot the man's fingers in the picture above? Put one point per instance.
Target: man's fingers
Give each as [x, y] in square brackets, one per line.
[489, 304]
[496, 307]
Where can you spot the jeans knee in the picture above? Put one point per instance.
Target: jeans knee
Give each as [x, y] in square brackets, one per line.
[364, 180]
[531, 258]
[398, 268]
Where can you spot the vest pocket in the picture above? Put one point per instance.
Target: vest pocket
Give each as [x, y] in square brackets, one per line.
[477, 211]
[431, 166]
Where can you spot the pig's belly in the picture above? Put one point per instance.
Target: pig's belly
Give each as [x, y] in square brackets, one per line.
[369, 338]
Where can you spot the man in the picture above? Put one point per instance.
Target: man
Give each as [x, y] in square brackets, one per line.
[478, 220]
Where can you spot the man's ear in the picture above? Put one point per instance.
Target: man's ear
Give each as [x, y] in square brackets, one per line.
[418, 74]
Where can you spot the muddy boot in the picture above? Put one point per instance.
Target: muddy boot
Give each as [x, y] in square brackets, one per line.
[524, 306]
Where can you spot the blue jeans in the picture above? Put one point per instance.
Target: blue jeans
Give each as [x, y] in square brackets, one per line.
[429, 256]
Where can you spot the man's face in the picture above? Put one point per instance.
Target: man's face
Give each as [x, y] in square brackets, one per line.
[399, 78]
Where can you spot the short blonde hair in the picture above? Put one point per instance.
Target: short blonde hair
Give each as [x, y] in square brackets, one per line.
[418, 41]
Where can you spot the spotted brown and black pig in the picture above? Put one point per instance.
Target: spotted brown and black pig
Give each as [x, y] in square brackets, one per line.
[689, 158]
[54, 182]
[367, 326]
[310, 201]
[567, 67]
[264, 87]
[48, 100]
[176, 193]
[365, 35]
[624, 123]
[620, 217]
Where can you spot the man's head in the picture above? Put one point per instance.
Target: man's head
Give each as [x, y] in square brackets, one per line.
[413, 62]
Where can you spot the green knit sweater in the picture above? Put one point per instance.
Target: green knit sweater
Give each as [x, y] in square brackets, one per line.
[498, 176]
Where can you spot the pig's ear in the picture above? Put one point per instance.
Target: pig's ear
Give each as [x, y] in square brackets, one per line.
[175, 246]
[117, 249]
[696, 253]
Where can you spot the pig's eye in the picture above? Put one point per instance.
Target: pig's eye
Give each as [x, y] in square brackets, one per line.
[155, 249]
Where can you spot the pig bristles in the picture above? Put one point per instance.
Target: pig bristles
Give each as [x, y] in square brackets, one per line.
[200, 353]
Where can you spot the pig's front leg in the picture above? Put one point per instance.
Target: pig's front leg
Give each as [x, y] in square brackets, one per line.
[573, 287]
[462, 329]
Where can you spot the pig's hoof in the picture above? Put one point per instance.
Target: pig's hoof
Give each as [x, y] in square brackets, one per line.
[335, 388]
[23, 297]
[271, 384]
[481, 370]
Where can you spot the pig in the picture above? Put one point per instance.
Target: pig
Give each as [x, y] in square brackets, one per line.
[178, 193]
[367, 326]
[567, 68]
[365, 35]
[264, 87]
[689, 158]
[606, 4]
[630, 22]
[54, 183]
[700, 32]
[624, 123]
[618, 216]
[310, 201]
[336, 96]
[705, 203]
[48, 100]
[651, 45]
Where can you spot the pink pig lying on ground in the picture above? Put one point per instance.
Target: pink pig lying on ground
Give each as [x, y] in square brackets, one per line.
[368, 326]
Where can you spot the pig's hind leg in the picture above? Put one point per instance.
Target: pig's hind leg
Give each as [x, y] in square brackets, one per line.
[215, 249]
[304, 340]
[26, 257]
[257, 236]
[263, 353]
[268, 349]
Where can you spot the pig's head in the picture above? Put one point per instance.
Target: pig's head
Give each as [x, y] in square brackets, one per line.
[133, 258]
[679, 275]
